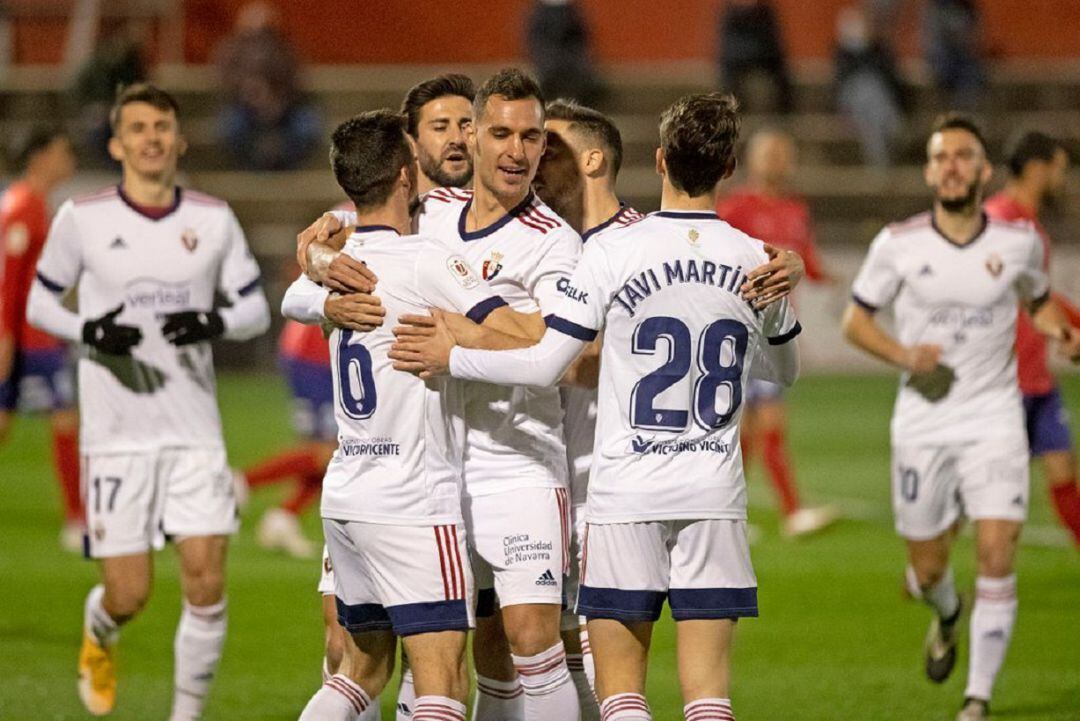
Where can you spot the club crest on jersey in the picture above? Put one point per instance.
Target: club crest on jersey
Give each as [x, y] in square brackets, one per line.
[995, 265]
[693, 236]
[492, 266]
[462, 273]
[189, 239]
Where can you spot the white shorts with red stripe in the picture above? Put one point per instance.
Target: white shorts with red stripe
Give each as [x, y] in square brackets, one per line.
[520, 545]
[406, 579]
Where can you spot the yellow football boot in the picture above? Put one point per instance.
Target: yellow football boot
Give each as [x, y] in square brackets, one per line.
[97, 677]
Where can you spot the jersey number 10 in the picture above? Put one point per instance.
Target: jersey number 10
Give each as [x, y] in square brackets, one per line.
[356, 383]
[720, 351]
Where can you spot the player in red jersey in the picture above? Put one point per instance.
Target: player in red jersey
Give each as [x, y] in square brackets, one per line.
[34, 366]
[766, 208]
[1037, 170]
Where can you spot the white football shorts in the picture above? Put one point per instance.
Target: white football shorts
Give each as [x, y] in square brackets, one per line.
[406, 579]
[520, 546]
[136, 501]
[702, 568]
[326, 575]
[570, 618]
[932, 486]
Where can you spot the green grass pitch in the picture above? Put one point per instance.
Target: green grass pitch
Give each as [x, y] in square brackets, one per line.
[834, 641]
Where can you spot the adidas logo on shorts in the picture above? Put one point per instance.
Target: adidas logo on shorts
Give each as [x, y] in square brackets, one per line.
[547, 579]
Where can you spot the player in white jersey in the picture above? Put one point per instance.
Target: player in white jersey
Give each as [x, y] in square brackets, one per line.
[391, 502]
[516, 496]
[667, 498]
[147, 257]
[953, 279]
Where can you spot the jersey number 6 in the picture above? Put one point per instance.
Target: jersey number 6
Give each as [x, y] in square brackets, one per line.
[356, 384]
[720, 351]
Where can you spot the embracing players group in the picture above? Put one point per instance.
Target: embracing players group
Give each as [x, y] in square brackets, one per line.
[537, 392]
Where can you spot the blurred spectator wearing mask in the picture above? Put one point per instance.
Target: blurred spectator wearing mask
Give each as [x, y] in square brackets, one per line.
[751, 47]
[558, 46]
[869, 90]
[951, 43]
[265, 124]
[766, 208]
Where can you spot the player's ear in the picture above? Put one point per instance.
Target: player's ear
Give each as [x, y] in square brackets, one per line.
[470, 137]
[116, 150]
[987, 172]
[181, 146]
[661, 168]
[594, 161]
[729, 168]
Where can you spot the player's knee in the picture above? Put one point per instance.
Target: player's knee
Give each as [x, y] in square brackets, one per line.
[995, 561]
[125, 600]
[532, 633]
[335, 647]
[204, 586]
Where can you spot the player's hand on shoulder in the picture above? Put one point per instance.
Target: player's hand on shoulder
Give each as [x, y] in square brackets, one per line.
[327, 230]
[355, 311]
[774, 280]
[108, 336]
[340, 272]
[422, 345]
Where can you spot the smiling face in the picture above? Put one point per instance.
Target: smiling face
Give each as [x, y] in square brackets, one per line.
[956, 169]
[560, 178]
[147, 141]
[440, 141]
[507, 142]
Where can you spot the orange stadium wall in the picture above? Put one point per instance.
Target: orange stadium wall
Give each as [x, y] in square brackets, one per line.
[430, 32]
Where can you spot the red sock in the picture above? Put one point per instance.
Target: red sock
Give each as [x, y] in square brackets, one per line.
[775, 456]
[1066, 498]
[307, 491]
[300, 462]
[65, 446]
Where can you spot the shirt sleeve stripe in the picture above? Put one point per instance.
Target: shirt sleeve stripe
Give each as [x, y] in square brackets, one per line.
[479, 312]
[50, 283]
[865, 305]
[250, 287]
[570, 328]
[782, 339]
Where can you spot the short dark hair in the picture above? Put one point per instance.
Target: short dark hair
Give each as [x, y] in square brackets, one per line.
[508, 83]
[597, 126]
[423, 93]
[698, 136]
[367, 152]
[38, 139]
[142, 93]
[1030, 145]
[959, 121]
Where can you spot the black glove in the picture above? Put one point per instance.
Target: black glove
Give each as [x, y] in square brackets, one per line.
[107, 336]
[192, 326]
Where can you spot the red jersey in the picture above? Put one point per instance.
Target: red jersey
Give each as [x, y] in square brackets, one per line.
[24, 225]
[1032, 369]
[304, 342]
[783, 221]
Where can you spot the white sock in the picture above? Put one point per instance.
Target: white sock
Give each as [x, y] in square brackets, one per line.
[339, 699]
[406, 696]
[625, 707]
[498, 700]
[372, 713]
[96, 620]
[942, 596]
[197, 648]
[991, 629]
[709, 709]
[549, 691]
[587, 657]
[438, 708]
[590, 710]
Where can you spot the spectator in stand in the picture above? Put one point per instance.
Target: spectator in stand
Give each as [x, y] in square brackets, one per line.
[868, 86]
[266, 124]
[767, 209]
[750, 44]
[35, 373]
[951, 43]
[1037, 166]
[558, 45]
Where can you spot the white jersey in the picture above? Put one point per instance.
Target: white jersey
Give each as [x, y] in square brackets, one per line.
[962, 298]
[515, 436]
[679, 342]
[162, 395]
[579, 404]
[400, 439]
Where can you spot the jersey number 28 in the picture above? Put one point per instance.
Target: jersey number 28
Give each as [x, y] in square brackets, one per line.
[720, 350]
[356, 383]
